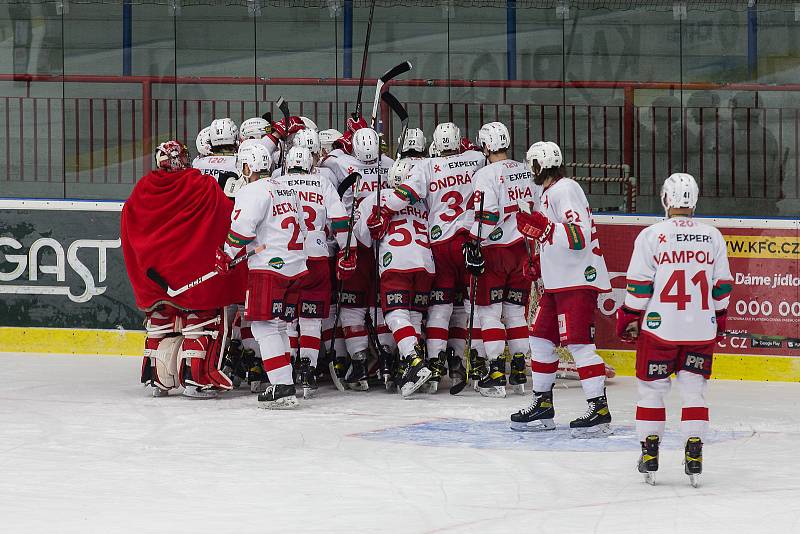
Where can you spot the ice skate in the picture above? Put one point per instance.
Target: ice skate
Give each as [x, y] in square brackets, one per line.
[693, 460]
[356, 377]
[437, 367]
[234, 365]
[477, 369]
[196, 392]
[256, 375]
[518, 378]
[596, 422]
[493, 384]
[338, 369]
[158, 392]
[537, 416]
[278, 397]
[648, 461]
[308, 377]
[388, 363]
[456, 371]
[415, 374]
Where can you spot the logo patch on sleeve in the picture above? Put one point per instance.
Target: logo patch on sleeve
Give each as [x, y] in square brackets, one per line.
[590, 274]
[496, 235]
[387, 259]
[653, 320]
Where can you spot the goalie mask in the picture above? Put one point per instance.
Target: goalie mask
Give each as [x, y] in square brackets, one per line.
[299, 157]
[307, 138]
[446, 137]
[494, 137]
[203, 142]
[366, 146]
[679, 191]
[224, 132]
[254, 128]
[414, 141]
[256, 156]
[171, 156]
[399, 172]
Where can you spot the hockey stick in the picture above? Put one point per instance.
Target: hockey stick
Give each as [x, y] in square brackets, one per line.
[389, 75]
[347, 183]
[284, 107]
[401, 113]
[357, 112]
[156, 277]
[473, 288]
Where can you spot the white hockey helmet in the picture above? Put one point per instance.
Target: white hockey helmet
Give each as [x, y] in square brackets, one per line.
[308, 138]
[299, 157]
[546, 153]
[679, 191]
[399, 171]
[311, 125]
[415, 140]
[366, 146]
[446, 137]
[254, 128]
[327, 137]
[494, 137]
[224, 132]
[256, 155]
[203, 141]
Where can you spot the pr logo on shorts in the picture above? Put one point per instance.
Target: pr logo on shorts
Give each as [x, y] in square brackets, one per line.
[277, 263]
[590, 274]
[653, 320]
[496, 235]
[387, 259]
[436, 232]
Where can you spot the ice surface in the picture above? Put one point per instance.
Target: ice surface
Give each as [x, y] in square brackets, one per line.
[85, 449]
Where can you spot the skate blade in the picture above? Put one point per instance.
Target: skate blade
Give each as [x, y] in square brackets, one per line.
[650, 477]
[540, 425]
[519, 389]
[158, 392]
[361, 385]
[193, 392]
[694, 480]
[285, 403]
[309, 393]
[496, 392]
[422, 377]
[597, 431]
[336, 380]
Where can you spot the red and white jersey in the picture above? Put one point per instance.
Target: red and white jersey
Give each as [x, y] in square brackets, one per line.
[215, 165]
[501, 184]
[571, 258]
[322, 171]
[322, 212]
[405, 247]
[445, 183]
[679, 277]
[265, 212]
[342, 165]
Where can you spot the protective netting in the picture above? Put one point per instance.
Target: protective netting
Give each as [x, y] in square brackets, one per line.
[520, 4]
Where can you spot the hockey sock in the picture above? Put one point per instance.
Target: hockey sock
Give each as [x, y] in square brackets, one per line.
[385, 336]
[405, 335]
[694, 415]
[354, 329]
[274, 343]
[310, 332]
[591, 369]
[516, 328]
[544, 363]
[651, 415]
[293, 331]
[436, 330]
[492, 330]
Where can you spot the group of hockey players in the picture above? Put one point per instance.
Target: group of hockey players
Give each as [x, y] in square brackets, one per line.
[370, 270]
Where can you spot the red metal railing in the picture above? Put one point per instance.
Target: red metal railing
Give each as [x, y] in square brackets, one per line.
[114, 136]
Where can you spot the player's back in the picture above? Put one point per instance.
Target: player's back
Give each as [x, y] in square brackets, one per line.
[450, 189]
[217, 165]
[311, 191]
[504, 183]
[688, 258]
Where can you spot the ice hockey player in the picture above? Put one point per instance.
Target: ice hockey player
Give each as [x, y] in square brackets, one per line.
[326, 140]
[444, 185]
[170, 223]
[357, 292]
[266, 214]
[406, 271]
[321, 208]
[221, 162]
[493, 254]
[678, 288]
[203, 145]
[344, 144]
[414, 144]
[573, 272]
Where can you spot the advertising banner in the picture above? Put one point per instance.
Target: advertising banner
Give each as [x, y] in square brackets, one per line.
[764, 312]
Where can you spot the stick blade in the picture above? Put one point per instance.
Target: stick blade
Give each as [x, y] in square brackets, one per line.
[396, 71]
[395, 104]
[347, 183]
[153, 275]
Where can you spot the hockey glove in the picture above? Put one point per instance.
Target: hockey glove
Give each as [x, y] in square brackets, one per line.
[532, 269]
[628, 324]
[353, 125]
[534, 225]
[279, 129]
[722, 320]
[473, 258]
[378, 222]
[465, 144]
[221, 261]
[346, 266]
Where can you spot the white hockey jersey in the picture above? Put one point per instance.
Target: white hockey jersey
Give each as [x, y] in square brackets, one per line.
[342, 165]
[405, 247]
[217, 166]
[445, 183]
[322, 212]
[502, 184]
[265, 212]
[571, 258]
[679, 277]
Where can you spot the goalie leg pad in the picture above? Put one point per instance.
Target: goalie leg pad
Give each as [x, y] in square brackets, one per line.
[161, 347]
[205, 334]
